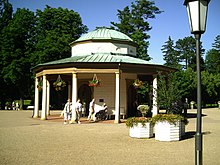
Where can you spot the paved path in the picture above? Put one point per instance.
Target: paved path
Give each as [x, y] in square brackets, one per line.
[27, 141]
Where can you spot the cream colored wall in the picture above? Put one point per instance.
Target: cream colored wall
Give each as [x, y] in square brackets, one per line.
[106, 90]
[101, 47]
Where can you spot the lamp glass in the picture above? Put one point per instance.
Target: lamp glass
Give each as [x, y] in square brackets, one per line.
[197, 11]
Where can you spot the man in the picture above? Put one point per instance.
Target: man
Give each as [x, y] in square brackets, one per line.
[66, 111]
[78, 108]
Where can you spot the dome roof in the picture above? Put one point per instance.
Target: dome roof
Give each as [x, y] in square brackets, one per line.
[104, 34]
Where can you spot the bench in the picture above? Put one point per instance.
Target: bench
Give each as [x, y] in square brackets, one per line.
[111, 112]
[30, 107]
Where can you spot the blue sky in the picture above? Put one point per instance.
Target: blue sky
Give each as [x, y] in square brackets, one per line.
[172, 22]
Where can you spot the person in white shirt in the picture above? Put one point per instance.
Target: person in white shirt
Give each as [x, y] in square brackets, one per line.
[78, 108]
[91, 109]
[66, 111]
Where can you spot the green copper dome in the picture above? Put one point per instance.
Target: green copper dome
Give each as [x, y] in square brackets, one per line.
[104, 34]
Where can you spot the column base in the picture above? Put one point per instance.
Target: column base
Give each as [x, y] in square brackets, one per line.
[36, 116]
[43, 118]
[117, 121]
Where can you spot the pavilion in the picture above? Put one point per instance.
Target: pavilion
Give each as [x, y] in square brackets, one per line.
[109, 56]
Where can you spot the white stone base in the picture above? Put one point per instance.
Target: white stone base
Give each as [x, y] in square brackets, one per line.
[165, 131]
[140, 131]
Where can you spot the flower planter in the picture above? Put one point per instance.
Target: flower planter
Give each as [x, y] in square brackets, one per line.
[140, 131]
[137, 83]
[165, 131]
[93, 85]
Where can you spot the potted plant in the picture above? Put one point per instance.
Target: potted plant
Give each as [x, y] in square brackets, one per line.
[192, 103]
[137, 83]
[59, 84]
[40, 85]
[140, 127]
[95, 81]
[144, 109]
[171, 125]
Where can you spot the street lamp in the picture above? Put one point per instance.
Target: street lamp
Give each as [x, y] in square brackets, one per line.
[197, 13]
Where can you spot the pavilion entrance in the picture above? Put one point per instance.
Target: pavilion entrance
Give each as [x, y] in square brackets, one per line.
[85, 95]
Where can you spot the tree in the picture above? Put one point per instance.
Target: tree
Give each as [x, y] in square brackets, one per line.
[133, 22]
[171, 56]
[212, 60]
[16, 48]
[210, 87]
[185, 80]
[55, 29]
[27, 40]
[216, 44]
[187, 52]
[169, 96]
[5, 13]
[5, 17]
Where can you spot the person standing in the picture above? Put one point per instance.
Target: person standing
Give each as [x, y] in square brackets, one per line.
[91, 109]
[66, 111]
[13, 105]
[78, 108]
[17, 106]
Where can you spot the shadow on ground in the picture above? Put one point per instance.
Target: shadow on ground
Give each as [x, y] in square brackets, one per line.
[194, 115]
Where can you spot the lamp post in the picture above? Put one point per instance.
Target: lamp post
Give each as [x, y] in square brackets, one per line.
[197, 14]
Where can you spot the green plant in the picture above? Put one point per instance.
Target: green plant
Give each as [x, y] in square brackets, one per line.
[137, 83]
[169, 95]
[144, 109]
[95, 81]
[40, 84]
[59, 84]
[170, 118]
[133, 121]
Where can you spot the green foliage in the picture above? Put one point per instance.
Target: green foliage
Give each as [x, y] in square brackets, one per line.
[55, 29]
[216, 44]
[16, 46]
[133, 21]
[186, 83]
[182, 54]
[170, 118]
[94, 82]
[59, 84]
[29, 38]
[144, 109]
[171, 56]
[211, 86]
[212, 61]
[133, 121]
[169, 95]
[40, 84]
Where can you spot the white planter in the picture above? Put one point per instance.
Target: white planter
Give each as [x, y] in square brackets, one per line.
[141, 131]
[165, 131]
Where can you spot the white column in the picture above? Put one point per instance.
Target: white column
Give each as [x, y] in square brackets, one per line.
[155, 104]
[117, 98]
[48, 98]
[36, 99]
[74, 95]
[44, 99]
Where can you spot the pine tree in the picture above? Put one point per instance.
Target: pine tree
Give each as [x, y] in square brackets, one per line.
[133, 21]
[170, 55]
